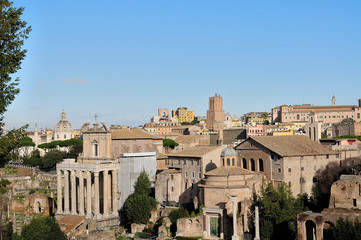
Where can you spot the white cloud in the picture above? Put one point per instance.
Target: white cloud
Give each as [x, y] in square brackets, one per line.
[78, 80]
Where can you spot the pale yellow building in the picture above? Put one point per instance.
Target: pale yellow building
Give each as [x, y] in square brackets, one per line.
[183, 114]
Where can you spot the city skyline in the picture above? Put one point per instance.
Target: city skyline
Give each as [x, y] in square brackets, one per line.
[133, 58]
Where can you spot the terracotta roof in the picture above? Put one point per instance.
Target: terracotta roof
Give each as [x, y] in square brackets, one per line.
[197, 151]
[132, 134]
[226, 171]
[189, 138]
[295, 145]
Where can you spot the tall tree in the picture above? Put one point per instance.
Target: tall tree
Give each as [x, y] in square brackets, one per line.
[138, 205]
[13, 32]
[278, 210]
[3, 190]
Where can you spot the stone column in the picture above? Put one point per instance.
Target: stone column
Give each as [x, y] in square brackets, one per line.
[256, 224]
[73, 193]
[88, 194]
[81, 194]
[60, 197]
[222, 230]
[66, 192]
[96, 194]
[204, 225]
[115, 192]
[234, 202]
[105, 193]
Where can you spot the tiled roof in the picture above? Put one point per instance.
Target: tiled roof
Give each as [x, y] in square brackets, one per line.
[197, 151]
[295, 145]
[189, 138]
[132, 134]
[226, 171]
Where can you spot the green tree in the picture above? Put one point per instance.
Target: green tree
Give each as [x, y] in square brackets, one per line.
[345, 230]
[3, 190]
[34, 160]
[13, 32]
[169, 143]
[9, 143]
[138, 205]
[51, 158]
[278, 212]
[42, 228]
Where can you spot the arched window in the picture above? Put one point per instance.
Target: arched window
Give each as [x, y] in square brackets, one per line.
[253, 165]
[223, 162]
[244, 163]
[232, 161]
[260, 165]
[228, 162]
[95, 150]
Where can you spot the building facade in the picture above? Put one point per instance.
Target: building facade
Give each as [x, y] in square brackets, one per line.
[183, 114]
[293, 160]
[326, 114]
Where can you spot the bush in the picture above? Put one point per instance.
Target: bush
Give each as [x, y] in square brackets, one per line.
[42, 228]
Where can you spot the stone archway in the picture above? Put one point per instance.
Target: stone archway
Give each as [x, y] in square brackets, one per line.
[310, 230]
[328, 228]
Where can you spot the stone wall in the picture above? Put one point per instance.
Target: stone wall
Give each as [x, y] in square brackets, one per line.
[190, 227]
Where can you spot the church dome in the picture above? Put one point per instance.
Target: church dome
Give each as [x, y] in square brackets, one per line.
[63, 129]
[228, 151]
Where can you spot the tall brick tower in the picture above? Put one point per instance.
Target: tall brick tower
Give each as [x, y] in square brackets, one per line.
[215, 114]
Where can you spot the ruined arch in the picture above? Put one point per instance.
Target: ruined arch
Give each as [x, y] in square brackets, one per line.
[310, 230]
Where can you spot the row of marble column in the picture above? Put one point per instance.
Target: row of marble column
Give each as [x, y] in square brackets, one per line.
[74, 196]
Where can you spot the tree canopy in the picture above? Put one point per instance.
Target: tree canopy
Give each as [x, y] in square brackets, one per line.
[138, 205]
[169, 143]
[278, 212]
[42, 228]
[53, 157]
[8, 143]
[64, 143]
[13, 32]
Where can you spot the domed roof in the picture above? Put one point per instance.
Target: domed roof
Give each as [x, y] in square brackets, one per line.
[63, 125]
[228, 151]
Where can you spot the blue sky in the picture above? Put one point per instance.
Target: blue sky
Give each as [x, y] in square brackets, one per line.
[124, 59]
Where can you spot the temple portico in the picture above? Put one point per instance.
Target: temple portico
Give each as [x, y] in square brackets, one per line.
[88, 189]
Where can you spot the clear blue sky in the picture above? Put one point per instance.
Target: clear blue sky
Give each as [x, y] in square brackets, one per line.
[124, 59]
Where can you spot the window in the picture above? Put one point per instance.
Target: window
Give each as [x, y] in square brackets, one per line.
[260, 165]
[253, 165]
[279, 170]
[199, 175]
[228, 162]
[232, 161]
[289, 170]
[192, 174]
[354, 202]
[244, 163]
[95, 150]
[186, 186]
[327, 156]
[172, 188]
[171, 177]
[289, 184]
[186, 174]
[302, 168]
[64, 136]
